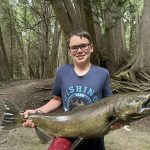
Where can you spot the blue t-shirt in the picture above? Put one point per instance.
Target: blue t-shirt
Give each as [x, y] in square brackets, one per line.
[86, 89]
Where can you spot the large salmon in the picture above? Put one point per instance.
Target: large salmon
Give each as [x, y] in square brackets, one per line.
[88, 121]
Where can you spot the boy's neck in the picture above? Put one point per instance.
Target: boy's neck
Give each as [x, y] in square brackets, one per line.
[82, 69]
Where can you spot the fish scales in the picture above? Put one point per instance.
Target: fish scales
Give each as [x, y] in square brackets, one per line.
[77, 123]
[88, 121]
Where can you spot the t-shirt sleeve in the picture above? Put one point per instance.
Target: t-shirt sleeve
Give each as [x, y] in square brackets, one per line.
[106, 88]
[56, 90]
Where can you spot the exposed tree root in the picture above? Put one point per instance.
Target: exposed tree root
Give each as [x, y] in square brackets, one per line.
[126, 86]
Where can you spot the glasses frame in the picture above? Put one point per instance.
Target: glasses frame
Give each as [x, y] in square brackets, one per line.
[79, 46]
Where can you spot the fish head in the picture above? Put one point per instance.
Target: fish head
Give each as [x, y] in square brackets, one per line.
[132, 107]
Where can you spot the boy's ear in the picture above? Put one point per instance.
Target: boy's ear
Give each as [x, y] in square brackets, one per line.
[91, 47]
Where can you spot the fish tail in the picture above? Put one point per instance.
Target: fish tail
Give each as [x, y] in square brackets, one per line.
[12, 115]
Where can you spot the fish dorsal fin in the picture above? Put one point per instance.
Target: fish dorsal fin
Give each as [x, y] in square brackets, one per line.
[43, 136]
[76, 143]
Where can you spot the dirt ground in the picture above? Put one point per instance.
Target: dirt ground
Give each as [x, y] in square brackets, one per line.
[34, 93]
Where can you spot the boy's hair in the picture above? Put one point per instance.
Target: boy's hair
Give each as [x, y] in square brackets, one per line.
[80, 33]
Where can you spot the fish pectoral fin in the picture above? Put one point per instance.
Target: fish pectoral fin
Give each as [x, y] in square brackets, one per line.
[76, 143]
[108, 128]
[43, 136]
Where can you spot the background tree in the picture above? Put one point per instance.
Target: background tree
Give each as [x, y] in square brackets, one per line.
[4, 65]
[36, 31]
[114, 35]
[75, 15]
[139, 69]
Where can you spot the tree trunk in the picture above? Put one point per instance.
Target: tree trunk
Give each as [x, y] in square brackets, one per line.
[44, 40]
[134, 29]
[12, 46]
[4, 64]
[115, 40]
[62, 15]
[140, 69]
[62, 56]
[55, 49]
[67, 13]
[88, 24]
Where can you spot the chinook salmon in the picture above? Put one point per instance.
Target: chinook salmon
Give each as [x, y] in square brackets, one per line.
[94, 120]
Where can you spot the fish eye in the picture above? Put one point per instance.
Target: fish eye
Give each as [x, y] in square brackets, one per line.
[137, 100]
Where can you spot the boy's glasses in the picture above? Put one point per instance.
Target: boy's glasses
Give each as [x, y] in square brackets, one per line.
[84, 47]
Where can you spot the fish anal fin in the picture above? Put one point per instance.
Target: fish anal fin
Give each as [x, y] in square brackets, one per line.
[43, 136]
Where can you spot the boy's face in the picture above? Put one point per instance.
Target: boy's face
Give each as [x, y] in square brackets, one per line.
[80, 49]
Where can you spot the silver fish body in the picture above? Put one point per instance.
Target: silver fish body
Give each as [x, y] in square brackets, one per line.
[88, 121]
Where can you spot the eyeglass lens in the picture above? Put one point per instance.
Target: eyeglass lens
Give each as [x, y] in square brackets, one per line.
[81, 46]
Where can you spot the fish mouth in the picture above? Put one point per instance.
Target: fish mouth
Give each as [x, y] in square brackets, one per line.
[145, 106]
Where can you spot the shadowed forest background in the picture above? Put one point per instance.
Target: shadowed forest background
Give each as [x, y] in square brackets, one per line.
[33, 38]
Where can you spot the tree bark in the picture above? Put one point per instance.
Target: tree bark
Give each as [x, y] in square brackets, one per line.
[55, 49]
[44, 40]
[115, 40]
[139, 70]
[138, 67]
[62, 55]
[67, 13]
[88, 24]
[62, 15]
[4, 64]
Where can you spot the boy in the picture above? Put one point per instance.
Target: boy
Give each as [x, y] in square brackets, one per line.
[77, 83]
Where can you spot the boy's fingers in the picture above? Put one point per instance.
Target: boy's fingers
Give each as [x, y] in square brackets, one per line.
[32, 125]
[26, 114]
[28, 123]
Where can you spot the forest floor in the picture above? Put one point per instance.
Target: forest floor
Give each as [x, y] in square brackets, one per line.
[34, 93]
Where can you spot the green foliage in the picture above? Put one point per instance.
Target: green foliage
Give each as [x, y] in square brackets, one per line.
[129, 10]
[131, 16]
[22, 22]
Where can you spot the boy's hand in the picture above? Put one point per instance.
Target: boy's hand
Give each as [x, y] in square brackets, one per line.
[28, 112]
[28, 123]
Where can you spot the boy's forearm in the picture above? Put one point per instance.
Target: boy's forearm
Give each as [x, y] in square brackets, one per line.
[52, 105]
